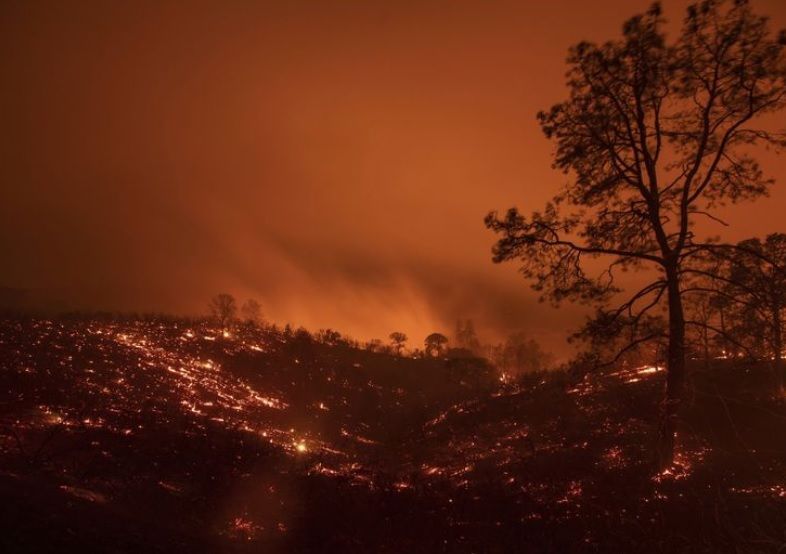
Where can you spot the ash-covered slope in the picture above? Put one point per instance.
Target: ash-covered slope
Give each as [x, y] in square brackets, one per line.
[173, 435]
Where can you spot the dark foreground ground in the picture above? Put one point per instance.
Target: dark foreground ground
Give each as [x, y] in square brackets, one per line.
[169, 436]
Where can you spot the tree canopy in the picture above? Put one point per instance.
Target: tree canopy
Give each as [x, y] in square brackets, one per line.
[654, 137]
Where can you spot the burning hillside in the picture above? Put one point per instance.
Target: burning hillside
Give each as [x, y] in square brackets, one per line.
[176, 435]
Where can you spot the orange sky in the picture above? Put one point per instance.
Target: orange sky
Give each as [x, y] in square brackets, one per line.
[333, 159]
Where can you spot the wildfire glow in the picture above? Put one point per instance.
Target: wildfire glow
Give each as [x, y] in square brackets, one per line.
[143, 376]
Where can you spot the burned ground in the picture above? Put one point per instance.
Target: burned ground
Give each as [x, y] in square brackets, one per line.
[171, 435]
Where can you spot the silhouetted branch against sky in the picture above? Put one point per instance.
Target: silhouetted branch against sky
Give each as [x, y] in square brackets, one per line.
[654, 134]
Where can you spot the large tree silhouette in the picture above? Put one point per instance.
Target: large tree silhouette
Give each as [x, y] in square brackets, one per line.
[435, 344]
[398, 340]
[654, 136]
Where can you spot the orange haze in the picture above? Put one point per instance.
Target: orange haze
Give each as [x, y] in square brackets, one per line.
[333, 160]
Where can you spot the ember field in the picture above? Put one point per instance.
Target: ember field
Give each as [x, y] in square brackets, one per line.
[172, 435]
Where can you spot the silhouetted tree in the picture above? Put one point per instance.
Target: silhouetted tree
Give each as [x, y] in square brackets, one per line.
[397, 341]
[223, 308]
[300, 343]
[520, 354]
[750, 279]
[375, 345]
[465, 367]
[330, 337]
[466, 337]
[251, 311]
[435, 344]
[701, 309]
[655, 136]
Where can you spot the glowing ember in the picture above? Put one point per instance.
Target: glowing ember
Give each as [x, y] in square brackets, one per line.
[84, 494]
[244, 529]
[647, 370]
[317, 420]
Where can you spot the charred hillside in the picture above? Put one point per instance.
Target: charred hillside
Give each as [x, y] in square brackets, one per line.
[174, 435]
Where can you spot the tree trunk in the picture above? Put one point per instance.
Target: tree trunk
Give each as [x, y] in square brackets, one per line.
[706, 342]
[675, 372]
[777, 343]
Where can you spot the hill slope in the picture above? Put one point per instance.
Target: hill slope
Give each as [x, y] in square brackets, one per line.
[170, 436]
